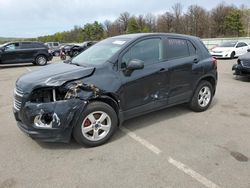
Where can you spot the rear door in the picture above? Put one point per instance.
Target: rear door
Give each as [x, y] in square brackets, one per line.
[181, 55]
[28, 51]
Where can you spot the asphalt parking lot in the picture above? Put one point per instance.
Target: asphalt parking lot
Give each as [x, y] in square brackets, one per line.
[174, 147]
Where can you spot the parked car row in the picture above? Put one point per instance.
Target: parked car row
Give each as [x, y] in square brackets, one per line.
[232, 49]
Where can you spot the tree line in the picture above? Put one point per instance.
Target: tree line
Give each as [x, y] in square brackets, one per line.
[221, 21]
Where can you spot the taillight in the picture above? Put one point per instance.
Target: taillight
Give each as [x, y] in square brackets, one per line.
[214, 61]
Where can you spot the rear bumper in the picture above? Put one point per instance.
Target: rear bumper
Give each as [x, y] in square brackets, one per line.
[50, 57]
[240, 70]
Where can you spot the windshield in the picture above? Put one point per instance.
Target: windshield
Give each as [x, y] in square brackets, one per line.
[227, 44]
[100, 52]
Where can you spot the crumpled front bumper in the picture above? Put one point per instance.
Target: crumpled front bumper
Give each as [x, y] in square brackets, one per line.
[67, 113]
[240, 70]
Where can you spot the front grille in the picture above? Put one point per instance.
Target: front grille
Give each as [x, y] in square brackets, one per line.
[245, 63]
[18, 94]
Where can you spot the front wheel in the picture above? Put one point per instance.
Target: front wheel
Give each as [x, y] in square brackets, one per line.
[202, 97]
[96, 125]
[232, 55]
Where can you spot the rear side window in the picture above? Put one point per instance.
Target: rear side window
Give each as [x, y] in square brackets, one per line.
[177, 48]
[191, 48]
[148, 50]
[27, 45]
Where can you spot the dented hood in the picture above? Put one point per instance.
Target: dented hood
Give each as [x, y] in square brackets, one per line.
[53, 75]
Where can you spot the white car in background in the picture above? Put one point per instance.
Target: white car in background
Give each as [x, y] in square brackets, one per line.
[229, 49]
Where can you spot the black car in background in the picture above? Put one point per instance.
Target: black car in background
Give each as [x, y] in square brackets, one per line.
[24, 52]
[243, 65]
[76, 49]
[119, 78]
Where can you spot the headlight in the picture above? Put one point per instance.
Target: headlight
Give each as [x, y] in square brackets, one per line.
[43, 95]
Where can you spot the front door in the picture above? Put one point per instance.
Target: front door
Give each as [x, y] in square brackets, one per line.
[11, 54]
[147, 88]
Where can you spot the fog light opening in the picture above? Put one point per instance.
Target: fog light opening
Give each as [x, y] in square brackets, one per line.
[45, 120]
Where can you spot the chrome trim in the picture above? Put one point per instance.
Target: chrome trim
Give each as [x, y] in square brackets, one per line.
[17, 103]
[54, 95]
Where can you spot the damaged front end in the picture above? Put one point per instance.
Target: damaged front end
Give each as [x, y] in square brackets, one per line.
[49, 113]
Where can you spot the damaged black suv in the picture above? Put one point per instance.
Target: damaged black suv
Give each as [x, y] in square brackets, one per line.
[118, 78]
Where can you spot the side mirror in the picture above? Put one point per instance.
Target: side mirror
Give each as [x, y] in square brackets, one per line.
[248, 50]
[135, 64]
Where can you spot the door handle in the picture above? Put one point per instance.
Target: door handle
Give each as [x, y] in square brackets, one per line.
[196, 60]
[162, 70]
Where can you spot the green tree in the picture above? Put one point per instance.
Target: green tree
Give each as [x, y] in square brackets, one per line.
[93, 31]
[233, 23]
[133, 26]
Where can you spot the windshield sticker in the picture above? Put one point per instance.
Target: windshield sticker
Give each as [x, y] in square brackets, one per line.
[119, 42]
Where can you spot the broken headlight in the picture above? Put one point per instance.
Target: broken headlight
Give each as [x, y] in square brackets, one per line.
[44, 95]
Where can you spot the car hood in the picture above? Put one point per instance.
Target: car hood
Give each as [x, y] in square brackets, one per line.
[222, 49]
[52, 75]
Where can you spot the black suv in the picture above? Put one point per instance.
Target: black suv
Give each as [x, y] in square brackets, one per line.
[118, 78]
[77, 49]
[24, 52]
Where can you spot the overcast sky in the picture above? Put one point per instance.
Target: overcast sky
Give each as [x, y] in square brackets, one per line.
[32, 18]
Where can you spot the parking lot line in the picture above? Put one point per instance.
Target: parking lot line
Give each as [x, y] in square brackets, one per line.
[142, 141]
[184, 168]
[28, 69]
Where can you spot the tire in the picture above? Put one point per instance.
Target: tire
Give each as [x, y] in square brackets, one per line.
[89, 123]
[75, 53]
[41, 60]
[202, 97]
[232, 55]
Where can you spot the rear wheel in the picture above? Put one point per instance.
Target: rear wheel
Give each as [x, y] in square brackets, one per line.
[96, 125]
[202, 97]
[41, 60]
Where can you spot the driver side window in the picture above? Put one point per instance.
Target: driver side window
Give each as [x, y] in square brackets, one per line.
[12, 46]
[149, 51]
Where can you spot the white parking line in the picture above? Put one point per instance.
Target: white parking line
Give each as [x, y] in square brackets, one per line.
[143, 142]
[28, 69]
[184, 168]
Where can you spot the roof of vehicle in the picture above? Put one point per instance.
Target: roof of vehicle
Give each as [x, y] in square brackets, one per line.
[138, 35]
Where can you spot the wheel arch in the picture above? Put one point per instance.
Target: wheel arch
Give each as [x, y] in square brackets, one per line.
[109, 99]
[211, 79]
